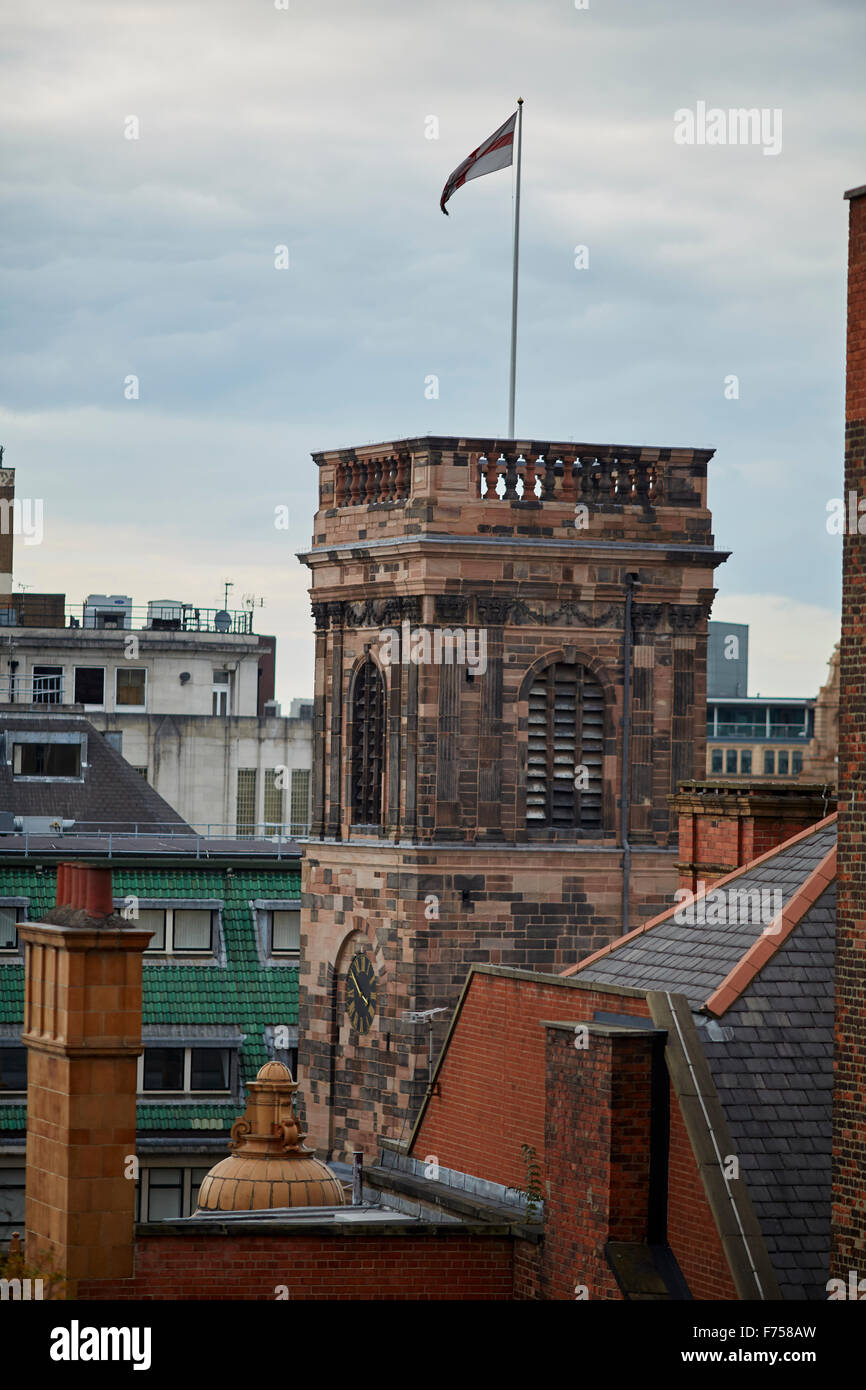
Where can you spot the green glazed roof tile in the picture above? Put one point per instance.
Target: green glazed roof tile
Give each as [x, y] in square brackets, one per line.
[242, 992]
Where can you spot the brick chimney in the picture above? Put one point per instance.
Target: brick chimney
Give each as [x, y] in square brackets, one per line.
[849, 1107]
[7, 499]
[82, 1027]
[725, 824]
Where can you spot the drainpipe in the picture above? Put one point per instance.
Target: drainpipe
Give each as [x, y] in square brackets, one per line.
[357, 1178]
[627, 640]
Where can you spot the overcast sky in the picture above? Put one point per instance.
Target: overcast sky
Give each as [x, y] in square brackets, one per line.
[307, 127]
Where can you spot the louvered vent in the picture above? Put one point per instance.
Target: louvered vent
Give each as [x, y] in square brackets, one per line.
[368, 745]
[566, 732]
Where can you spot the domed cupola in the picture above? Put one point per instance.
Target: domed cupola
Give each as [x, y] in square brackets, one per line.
[270, 1167]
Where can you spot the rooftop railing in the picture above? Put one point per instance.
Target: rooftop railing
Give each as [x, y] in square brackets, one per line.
[23, 610]
[112, 837]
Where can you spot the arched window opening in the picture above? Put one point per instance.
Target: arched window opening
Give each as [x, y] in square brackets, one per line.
[368, 745]
[566, 743]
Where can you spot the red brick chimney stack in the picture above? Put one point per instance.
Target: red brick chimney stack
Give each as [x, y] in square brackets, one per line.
[7, 498]
[725, 824]
[849, 1100]
[82, 1026]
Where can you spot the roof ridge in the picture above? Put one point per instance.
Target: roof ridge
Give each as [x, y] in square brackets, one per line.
[773, 936]
[696, 897]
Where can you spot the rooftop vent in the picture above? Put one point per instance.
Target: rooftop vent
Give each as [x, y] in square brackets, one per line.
[108, 611]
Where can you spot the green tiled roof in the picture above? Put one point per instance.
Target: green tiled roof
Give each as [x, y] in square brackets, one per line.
[243, 992]
[160, 1117]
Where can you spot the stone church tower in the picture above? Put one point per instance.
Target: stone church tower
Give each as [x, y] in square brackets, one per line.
[486, 612]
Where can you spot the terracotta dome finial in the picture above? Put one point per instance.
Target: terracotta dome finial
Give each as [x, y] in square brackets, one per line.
[269, 1165]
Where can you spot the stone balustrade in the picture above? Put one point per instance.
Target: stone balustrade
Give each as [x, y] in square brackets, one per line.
[593, 478]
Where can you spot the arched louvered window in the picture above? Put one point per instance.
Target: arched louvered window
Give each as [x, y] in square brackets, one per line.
[566, 742]
[368, 745]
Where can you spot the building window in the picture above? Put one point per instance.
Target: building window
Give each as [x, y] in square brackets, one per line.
[769, 762]
[208, 1069]
[284, 933]
[273, 808]
[245, 815]
[746, 760]
[368, 744]
[162, 1194]
[185, 1069]
[9, 917]
[716, 757]
[730, 761]
[299, 812]
[90, 686]
[178, 930]
[47, 685]
[46, 759]
[13, 1070]
[165, 1193]
[130, 687]
[221, 693]
[796, 762]
[783, 762]
[566, 742]
[11, 1201]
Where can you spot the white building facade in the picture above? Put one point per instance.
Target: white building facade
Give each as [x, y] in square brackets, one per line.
[182, 692]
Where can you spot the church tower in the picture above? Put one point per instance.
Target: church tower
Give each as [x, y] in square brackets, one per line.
[510, 681]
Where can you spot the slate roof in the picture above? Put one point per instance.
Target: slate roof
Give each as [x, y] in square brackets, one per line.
[773, 1070]
[771, 1050]
[112, 793]
[694, 959]
[242, 992]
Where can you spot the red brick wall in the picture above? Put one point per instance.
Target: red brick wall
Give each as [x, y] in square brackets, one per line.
[692, 1233]
[528, 1258]
[722, 827]
[493, 1099]
[849, 1110]
[244, 1267]
[492, 1082]
[578, 1167]
[631, 1117]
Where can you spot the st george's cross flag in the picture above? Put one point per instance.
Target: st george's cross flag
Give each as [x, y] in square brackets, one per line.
[495, 153]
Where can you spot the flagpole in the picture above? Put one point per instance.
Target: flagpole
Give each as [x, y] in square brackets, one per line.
[513, 371]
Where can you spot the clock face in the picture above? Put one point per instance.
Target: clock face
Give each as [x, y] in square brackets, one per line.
[361, 993]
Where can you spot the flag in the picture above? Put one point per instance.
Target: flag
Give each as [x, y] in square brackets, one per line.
[495, 153]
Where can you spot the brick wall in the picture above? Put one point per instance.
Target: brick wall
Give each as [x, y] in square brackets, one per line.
[723, 825]
[849, 1110]
[492, 1099]
[631, 1137]
[438, 1266]
[532, 912]
[491, 1085]
[7, 496]
[692, 1232]
[578, 1143]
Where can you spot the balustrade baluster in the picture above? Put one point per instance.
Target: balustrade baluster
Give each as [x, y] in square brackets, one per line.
[340, 485]
[354, 469]
[483, 491]
[529, 480]
[567, 491]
